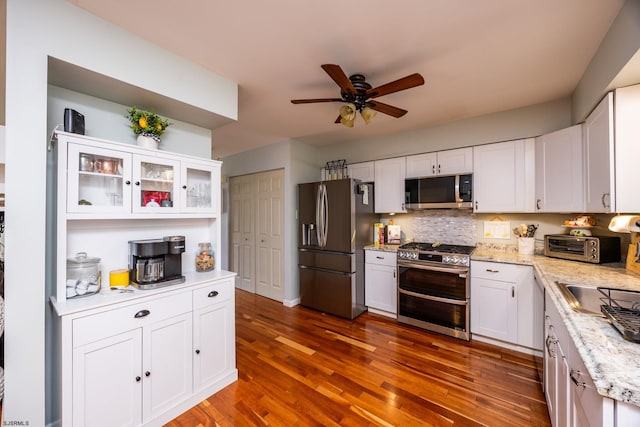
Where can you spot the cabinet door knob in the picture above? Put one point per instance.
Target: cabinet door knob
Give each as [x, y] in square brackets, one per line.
[142, 313]
[184, 187]
[197, 351]
[127, 182]
[476, 205]
[147, 373]
[137, 183]
[138, 378]
[575, 375]
[538, 204]
[213, 294]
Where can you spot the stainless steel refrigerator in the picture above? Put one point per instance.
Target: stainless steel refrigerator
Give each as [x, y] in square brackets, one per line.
[335, 222]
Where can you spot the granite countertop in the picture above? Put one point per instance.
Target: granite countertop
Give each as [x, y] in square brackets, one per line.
[613, 362]
[382, 248]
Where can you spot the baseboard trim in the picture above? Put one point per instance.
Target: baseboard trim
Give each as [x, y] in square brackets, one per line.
[291, 302]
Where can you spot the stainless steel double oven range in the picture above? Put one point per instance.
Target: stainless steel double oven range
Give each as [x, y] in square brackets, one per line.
[433, 287]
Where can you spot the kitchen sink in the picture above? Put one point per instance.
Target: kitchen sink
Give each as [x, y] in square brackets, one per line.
[585, 299]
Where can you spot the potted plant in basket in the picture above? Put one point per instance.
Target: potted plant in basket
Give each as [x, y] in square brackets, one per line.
[147, 125]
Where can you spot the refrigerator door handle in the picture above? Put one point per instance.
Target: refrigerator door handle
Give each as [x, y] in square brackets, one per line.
[322, 215]
[318, 219]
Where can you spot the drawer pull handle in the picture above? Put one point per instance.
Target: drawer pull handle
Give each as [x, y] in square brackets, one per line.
[513, 292]
[551, 341]
[575, 375]
[492, 271]
[379, 257]
[142, 313]
[213, 294]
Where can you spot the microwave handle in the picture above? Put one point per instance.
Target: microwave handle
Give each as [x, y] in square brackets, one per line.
[457, 190]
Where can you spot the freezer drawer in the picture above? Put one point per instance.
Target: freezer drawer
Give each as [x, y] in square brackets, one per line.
[336, 261]
[330, 292]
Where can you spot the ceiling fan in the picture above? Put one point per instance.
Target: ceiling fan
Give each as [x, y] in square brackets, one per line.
[358, 95]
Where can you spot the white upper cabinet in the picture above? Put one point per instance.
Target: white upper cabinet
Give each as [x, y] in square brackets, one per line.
[446, 162]
[599, 177]
[362, 171]
[420, 165]
[389, 185]
[503, 176]
[627, 149]
[108, 180]
[559, 177]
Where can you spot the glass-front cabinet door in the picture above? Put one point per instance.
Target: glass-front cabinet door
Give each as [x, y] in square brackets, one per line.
[198, 185]
[155, 184]
[98, 180]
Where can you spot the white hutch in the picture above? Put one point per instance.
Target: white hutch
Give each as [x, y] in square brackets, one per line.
[130, 356]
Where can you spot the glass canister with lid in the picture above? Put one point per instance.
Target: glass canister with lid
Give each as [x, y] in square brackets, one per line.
[83, 275]
[205, 258]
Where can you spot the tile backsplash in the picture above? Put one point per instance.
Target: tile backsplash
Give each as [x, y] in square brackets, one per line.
[448, 226]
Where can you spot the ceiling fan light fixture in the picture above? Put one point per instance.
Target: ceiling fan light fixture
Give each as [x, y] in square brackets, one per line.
[347, 123]
[367, 114]
[348, 114]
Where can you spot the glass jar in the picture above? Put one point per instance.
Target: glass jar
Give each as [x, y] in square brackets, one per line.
[83, 275]
[205, 258]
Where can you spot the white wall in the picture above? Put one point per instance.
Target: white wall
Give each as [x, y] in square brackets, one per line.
[37, 29]
[503, 126]
[620, 44]
[300, 164]
[106, 120]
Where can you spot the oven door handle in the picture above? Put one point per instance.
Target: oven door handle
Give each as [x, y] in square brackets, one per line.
[432, 298]
[462, 272]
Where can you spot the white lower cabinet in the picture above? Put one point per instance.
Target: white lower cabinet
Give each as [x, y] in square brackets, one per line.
[572, 398]
[381, 291]
[167, 363]
[213, 330]
[506, 304]
[105, 386]
[146, 362]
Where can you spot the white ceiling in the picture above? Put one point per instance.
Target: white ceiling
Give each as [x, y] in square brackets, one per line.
[477, 57]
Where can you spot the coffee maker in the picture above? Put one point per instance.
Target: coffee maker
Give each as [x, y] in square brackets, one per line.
[154, 263]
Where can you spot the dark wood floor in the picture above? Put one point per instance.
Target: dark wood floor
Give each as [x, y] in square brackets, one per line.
[298, 367]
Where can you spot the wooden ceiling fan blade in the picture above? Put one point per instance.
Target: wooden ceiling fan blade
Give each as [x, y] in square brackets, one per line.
[309, 101]
[338, 76]
[386, 109]
[396, 86]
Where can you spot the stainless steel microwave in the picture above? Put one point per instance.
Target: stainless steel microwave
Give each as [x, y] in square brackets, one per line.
[450, 191]
[594, 249]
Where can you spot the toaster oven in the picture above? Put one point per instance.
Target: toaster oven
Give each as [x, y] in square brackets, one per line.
[593, 249]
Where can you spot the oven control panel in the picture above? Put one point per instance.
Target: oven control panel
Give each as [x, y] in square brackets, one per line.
[417, 256]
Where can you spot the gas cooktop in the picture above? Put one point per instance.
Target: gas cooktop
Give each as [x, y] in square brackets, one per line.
[438, 247]
[435, 253]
